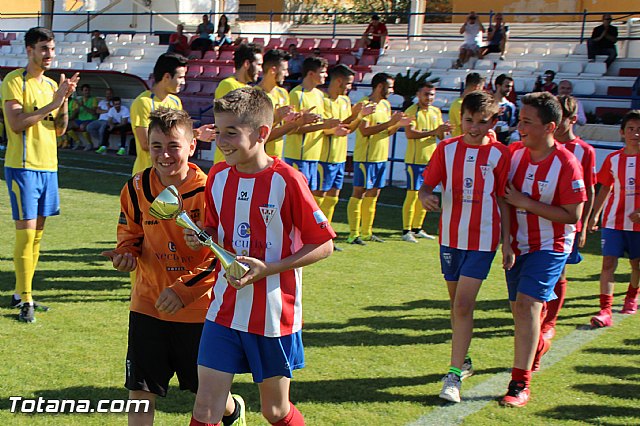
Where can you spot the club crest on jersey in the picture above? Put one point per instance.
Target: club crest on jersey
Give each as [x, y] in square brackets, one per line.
[485, 169]
[542, 185]
[267, 211]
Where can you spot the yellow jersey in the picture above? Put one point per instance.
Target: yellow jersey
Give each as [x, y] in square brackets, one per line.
[374, 148]
[419, 151]
[227, 85]
[35, 148]
[455, 117]
[334, 148]
[279, 97]
[305, 146]
[141, 107]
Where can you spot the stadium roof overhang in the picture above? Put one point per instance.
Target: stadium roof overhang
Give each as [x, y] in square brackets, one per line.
[126, 86]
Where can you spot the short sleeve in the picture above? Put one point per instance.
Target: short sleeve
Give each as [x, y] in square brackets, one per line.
[605, 175]
[501, 172]
[140, 111]
[589, 167]
[12, 90]
[294, 99]
[434, 173]
[308, 218]
[571, 189]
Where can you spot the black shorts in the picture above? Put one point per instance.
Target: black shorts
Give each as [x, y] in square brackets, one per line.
[159, 349]
[374, 44]
[493, 48]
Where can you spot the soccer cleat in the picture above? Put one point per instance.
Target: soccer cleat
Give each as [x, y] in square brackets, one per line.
[409, 237]
[27, 313]
[356, 240]
[423, 234]
[467, 369]
[241, 420]
[451, 388]
[121, 151]
[375, 239]
[549, 334]
[16, 302]
[101, 150]
[336, 248]
[603, 319]
[517, 395]
[630, 306]
[546, 345]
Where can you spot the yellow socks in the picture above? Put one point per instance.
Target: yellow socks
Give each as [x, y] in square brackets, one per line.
[419, 215]
[23, 253]
[319, 201]
[368, 214]
[408, 209]
[329, 206]
[36, 248]
[353, 216]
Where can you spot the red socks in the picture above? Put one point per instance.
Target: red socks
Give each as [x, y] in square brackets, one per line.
[294, 418]
[632, 292]
[554, 306]
[606, 300]
[195, 422]
[521, 376]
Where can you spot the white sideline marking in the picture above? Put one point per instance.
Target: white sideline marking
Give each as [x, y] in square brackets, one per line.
[478, 397]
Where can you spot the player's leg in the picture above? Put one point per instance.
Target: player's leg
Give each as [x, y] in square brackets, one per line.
[212, 399]
[630, 305]
[275, 405]
[323, 179]
[377, 180]
[330, 202]
[142, 418]
[354, 207]
[408, 206]
[607, 285]
[462, 319]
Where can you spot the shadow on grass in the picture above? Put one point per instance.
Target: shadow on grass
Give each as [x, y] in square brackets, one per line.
[592, 414]
[609, 370]
[481, 305]
[617, 390]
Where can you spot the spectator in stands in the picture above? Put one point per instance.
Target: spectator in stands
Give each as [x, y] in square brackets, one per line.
[472, 30]
[117, 121]
[565, 88]
[99, 48]
[295, 63]
[472, 83]
[97, 127]
[204, 41]
[497, 37]
[178, 42]
[87, 112]
[508, 114]
[247, 60]
[546, 85]
[603, 41]
[374, 37]
[223, 33]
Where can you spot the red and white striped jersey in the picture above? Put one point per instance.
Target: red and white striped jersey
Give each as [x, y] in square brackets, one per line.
[269, 215]
[557, 180]
[621, 172]
[472, 178]
[586, 155]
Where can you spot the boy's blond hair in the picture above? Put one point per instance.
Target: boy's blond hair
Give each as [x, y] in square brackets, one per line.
[250, 105]
[166, 120]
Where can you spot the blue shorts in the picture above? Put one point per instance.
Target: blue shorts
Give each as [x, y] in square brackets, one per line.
[308, 168]
[237, 352]
[616, 243]
[469, 263]
[575, 257]
[32, 193]
[330, 175]
[370, 175]
[536, 274]
[414, 176]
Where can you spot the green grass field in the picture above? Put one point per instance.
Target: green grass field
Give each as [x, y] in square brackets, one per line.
[376, 329]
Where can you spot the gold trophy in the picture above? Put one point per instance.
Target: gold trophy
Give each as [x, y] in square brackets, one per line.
[168, 205]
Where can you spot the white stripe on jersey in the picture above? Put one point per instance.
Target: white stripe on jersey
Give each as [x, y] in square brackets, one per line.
[273, 310]
[620, 187]
[630, 190]
[221, 285]
[547, 189]
[468, 175]
[447, 196]
[578, 151]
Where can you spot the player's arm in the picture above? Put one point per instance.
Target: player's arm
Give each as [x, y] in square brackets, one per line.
[566, 213]
[404, 121]
[188, 288]
[508, 257]
[369, 130]
[428, 199]
[586, 214]
[308, 254]
[438, 132]
[143, 137]
[598, 204]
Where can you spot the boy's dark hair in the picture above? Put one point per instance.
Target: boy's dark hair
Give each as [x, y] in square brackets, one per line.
[473, 79]
[380, 78]
[502, 78]
[116, 99]
[341, 71]
[36, 35]
[634, 114]
[547, 106]
[245, 52]
[313, 63]
[168, 63]
[427, 84]
[569, 106]
[375, 17]
[480, 101]
[274, 57]
[551, 72]
[250, 105]
[167, 119]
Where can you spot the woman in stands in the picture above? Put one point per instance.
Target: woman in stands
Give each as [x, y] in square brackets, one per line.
[223, 33]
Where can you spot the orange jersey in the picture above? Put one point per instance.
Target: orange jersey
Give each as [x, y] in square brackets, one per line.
[164, 259]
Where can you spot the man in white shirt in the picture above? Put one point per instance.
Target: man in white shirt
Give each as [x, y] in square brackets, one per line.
[472, 30]
[117, 122]
[97, 128]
